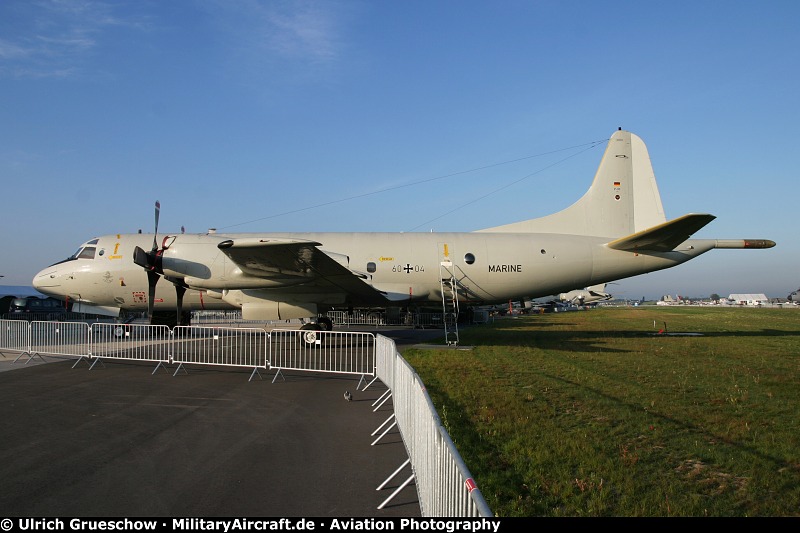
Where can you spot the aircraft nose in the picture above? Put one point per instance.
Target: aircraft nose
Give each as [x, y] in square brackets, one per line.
[46, 281]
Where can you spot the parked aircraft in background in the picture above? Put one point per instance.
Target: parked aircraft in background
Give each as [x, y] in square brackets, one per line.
[587, 296]
[616, 230]
[794, 297]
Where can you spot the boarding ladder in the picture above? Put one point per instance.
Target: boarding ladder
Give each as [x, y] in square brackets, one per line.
[449, 287]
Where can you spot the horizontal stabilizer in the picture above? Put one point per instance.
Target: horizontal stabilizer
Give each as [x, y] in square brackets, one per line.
[664, 237]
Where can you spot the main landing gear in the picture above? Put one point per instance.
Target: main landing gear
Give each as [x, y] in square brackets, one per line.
[311, 333]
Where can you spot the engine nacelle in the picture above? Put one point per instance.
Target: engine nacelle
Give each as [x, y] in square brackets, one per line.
[217, 295]
[255, 307]
[268, 310]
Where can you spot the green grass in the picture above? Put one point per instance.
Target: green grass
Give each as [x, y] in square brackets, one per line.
[591, 414]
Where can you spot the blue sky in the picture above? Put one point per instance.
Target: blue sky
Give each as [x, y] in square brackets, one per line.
[375, 116]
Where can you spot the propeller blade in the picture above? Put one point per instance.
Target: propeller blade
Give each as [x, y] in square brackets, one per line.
[155, 233]
[152, 279]
[179, 291]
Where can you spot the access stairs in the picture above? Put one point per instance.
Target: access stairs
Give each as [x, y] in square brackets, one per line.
[449, 289]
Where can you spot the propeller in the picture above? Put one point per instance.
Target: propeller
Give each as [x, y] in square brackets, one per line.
[152, 262]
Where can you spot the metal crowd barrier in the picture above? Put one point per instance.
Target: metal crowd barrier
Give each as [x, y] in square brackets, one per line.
[340, 318]
[302, 350]
[234, 318]
[15, 336]
[322, 351]
[239, 347]
[70, 339]
[444, 484]
[364, 318]
[137, 342]
[357, 318]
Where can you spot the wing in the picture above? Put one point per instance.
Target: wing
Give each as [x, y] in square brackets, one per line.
[301, 261]
[663, 237]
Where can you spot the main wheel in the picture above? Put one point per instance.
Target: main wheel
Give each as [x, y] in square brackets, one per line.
[310, 334]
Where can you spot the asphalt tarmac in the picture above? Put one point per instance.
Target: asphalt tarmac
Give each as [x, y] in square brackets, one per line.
[118, 440]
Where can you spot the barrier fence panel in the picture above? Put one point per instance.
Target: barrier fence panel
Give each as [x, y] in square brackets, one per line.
[202, 345]
[234, 319]
[60, 338]
[357, 317]
[323, 351]
[444, 484]
[138, 342]
[15, 336]
[385, 352]
[428, 320]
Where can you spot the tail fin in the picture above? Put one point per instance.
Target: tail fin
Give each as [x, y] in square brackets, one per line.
[623, 198]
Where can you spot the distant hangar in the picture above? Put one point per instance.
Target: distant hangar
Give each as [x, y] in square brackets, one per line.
[748, 299]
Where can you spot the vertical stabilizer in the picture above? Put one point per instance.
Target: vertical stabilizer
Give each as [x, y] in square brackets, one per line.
[623, 198]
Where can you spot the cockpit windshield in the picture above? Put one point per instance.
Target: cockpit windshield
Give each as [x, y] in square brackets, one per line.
[86, 251]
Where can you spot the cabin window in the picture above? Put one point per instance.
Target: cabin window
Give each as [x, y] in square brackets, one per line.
[371, 267]
[469, 258]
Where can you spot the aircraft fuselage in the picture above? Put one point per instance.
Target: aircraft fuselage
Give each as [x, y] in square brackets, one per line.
[405, 267]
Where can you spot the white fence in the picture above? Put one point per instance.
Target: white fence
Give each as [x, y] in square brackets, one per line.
[15, 336]
[59, 338]
[323, 351]
[136, 342]
[444, 484]
[357, 317]
[243, 347]
[303, 350]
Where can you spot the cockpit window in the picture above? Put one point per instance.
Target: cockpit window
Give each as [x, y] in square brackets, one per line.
[87, 253]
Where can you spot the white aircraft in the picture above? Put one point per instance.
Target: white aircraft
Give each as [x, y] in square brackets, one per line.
[616, 230]
[589, 295]
[794, 296]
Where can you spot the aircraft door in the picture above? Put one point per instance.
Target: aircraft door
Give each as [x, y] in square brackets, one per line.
[464, 261]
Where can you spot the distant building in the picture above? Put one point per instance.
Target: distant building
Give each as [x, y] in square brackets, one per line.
[748, 299]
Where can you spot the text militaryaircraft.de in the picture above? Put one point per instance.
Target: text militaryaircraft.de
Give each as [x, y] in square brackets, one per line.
[616, 230]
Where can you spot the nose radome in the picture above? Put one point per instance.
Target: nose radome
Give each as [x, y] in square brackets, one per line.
[45, 281]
